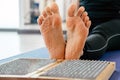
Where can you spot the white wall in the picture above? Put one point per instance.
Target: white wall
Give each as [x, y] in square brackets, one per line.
[26, 11]
[9, 13]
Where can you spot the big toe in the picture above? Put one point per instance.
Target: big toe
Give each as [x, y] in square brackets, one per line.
[71, 10]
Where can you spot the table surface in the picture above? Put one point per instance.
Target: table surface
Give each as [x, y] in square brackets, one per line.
[43, 53]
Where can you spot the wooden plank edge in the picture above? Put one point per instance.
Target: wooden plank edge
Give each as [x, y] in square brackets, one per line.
[107, 72]
[60, 78]
[41, 78]
[17, 77]
[23, 78]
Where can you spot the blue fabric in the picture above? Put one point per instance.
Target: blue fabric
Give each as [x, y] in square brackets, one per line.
[113, 56]
[43, 53]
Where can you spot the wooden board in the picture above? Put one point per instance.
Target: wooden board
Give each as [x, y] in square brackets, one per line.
[46, 69]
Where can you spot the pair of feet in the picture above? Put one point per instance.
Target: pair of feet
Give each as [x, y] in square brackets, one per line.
[78, 25]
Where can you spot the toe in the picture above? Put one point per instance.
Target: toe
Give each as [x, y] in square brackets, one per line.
[54, 8]
[86, 19]
[88, 24]
[48, 11]
[80, 11]
[40, 20]
[44, 14]
[71, 10]
[84, 15]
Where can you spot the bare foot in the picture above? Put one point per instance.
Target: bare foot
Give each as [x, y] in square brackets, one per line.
[78, 24]
[51, 29]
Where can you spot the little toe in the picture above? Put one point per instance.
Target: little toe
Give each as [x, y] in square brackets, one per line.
[48, 11]
[54, 8]
[40, 20]
[71, 10]
[80, 11]
[88, 24]
[86, 19]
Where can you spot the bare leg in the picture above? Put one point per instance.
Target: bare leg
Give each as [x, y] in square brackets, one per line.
[50, 27]
[78, 24]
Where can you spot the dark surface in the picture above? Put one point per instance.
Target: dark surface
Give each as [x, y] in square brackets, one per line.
[43, 53]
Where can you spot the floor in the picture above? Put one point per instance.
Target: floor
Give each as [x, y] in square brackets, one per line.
[11, 43]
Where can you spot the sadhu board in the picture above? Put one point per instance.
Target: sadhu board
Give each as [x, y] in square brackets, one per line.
[48, 69]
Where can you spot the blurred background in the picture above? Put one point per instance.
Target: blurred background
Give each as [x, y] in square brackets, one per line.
[19, 31]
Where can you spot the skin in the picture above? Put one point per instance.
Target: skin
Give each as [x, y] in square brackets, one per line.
[51, 29]
[78, 25]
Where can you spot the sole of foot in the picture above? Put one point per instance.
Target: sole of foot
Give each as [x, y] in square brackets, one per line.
[51, 29]
[78, 25]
